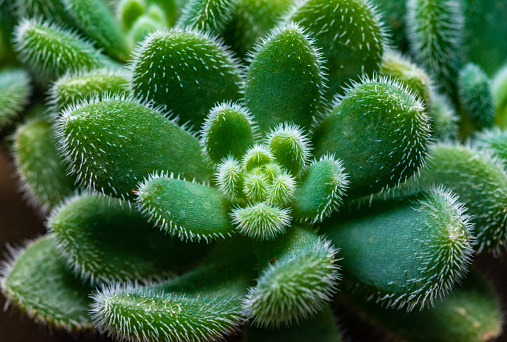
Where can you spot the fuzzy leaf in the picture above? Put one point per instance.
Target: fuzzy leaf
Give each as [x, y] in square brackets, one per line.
[38, 282]
[436, 39]
[94, 18]
[284, 80]
[105, 240]
[15, 90]
[380, 132]
[207, 15]
[475, 96]
[350, 34]
[73, 89]
[321, 191]
[298, 275]
[204, 304]
[405, 252]
[41, 168]
[227, 130]
[113, 145]
[188, 210]
[480, 181]
[185, 71]
[50, 51]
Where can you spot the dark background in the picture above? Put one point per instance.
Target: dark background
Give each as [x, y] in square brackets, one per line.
[19, 222]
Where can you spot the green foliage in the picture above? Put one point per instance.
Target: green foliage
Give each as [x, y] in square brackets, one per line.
[40, 167]
[73, 89]
[444, 121]
[427, 258]
[97, 135]
[36, 280]
[350, 35]
[205, 186]
[50, 51]
[194, 81]
[285, 79]
[251, 20]
[94, 18]
[227, 130]
[15, 90]
[475, 96]
[380, 131]
[480, 182]
[435, 34]
[106, 241]
[164, 201]
[322, 325]
[290, 266]
[472, 313]
[322, 190]
[203, 304]
[206, 15]
[484, 30]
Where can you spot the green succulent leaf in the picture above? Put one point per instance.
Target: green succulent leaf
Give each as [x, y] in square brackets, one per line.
[349, 34]
[41, 169]
[298, 276]
[257, 156]
[435, 32]
[95, 19]
[404, 252]
[207, 15]
[261, 221]
[290, 146]
[49, 51]
[227, 131]
[38, 282]
[444, 120]
[188, 210]
[229, 179]
[475, 96]
[472, 313]
[113, 145]
[285, 80]
[195, 69]
[204, 304]
[321, 191]
[480, 181]
[73, 89]
[380, 132]
[15, 90]
[105, 240]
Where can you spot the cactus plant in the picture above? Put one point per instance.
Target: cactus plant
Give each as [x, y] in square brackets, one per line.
[209, 167]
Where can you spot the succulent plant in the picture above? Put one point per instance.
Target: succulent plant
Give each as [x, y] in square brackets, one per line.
[209, 167]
